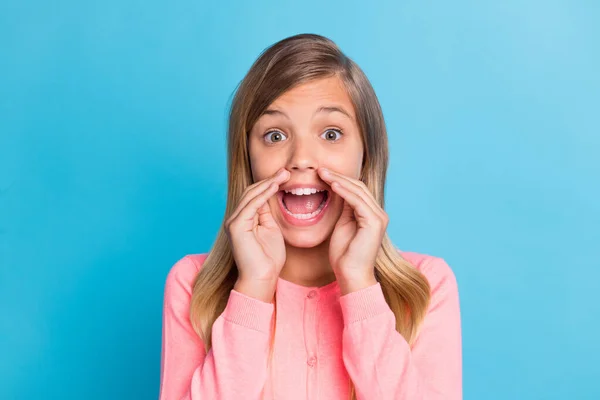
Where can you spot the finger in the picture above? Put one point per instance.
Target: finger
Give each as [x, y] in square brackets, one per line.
[248, 213]
[362, 209]
[356, 187]
[259, 187]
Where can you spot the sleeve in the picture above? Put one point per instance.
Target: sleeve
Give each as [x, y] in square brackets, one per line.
[236, 365]
[381, 363]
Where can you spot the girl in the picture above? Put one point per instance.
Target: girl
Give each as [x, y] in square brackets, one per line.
[303, 295]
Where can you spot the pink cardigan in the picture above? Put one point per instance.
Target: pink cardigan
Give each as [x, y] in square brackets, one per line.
[322, 339]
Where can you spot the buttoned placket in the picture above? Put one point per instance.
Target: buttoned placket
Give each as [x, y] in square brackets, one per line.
[310, 338]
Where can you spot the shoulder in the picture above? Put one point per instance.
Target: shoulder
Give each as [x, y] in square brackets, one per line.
[438, 272]
[182, 274]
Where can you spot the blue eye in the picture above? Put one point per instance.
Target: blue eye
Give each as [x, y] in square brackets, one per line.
[329, 136]
[276, 136]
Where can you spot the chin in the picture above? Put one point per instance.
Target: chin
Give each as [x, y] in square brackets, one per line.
[304, 238]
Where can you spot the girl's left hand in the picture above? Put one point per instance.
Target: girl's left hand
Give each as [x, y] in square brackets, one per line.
[357, 235]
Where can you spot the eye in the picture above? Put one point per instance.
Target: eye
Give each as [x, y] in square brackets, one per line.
[276, 136]
[330, 134]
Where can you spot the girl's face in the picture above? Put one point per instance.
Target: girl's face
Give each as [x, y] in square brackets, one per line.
[310, 126]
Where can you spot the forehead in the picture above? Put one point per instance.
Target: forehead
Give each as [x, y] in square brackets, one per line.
[314, 94]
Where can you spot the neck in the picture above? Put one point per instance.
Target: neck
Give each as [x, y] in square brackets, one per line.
[308, 266]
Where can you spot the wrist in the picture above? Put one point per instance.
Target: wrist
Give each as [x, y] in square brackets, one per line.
[350, 284]
[263, 290]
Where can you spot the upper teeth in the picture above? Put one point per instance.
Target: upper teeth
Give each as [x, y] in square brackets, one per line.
[303, 191]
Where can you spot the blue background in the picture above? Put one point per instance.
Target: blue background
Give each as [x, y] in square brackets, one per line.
[112, 167]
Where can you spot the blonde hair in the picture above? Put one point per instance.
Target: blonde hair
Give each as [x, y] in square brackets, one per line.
[287, 63]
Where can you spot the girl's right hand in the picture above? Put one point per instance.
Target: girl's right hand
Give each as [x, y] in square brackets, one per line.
[257, 243]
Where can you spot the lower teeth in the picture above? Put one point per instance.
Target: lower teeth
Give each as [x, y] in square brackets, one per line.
[305, 216]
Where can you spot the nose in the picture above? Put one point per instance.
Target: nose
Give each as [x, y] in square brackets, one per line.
[304, 155]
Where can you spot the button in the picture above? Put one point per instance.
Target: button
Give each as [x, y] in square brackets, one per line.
[312, 294]
[312, 361]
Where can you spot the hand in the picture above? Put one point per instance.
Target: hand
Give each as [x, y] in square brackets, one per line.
[257, 242]
[357, 235]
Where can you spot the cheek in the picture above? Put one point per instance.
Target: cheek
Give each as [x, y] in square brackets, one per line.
[264, 165]
[345, 164]
[259, 164]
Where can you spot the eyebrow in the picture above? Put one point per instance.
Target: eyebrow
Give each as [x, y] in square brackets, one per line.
[325, 109]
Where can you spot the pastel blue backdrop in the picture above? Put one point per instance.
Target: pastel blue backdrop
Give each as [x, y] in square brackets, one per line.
[112, 167]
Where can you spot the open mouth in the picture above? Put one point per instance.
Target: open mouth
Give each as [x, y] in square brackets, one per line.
[304, 205]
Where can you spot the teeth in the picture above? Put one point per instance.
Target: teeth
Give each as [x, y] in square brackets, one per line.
[303, 191]
[306, 216]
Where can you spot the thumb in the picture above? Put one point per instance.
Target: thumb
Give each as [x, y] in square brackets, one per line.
[347, 213]
[265, 217]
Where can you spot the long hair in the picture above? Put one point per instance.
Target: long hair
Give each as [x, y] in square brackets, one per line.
[282, 66]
